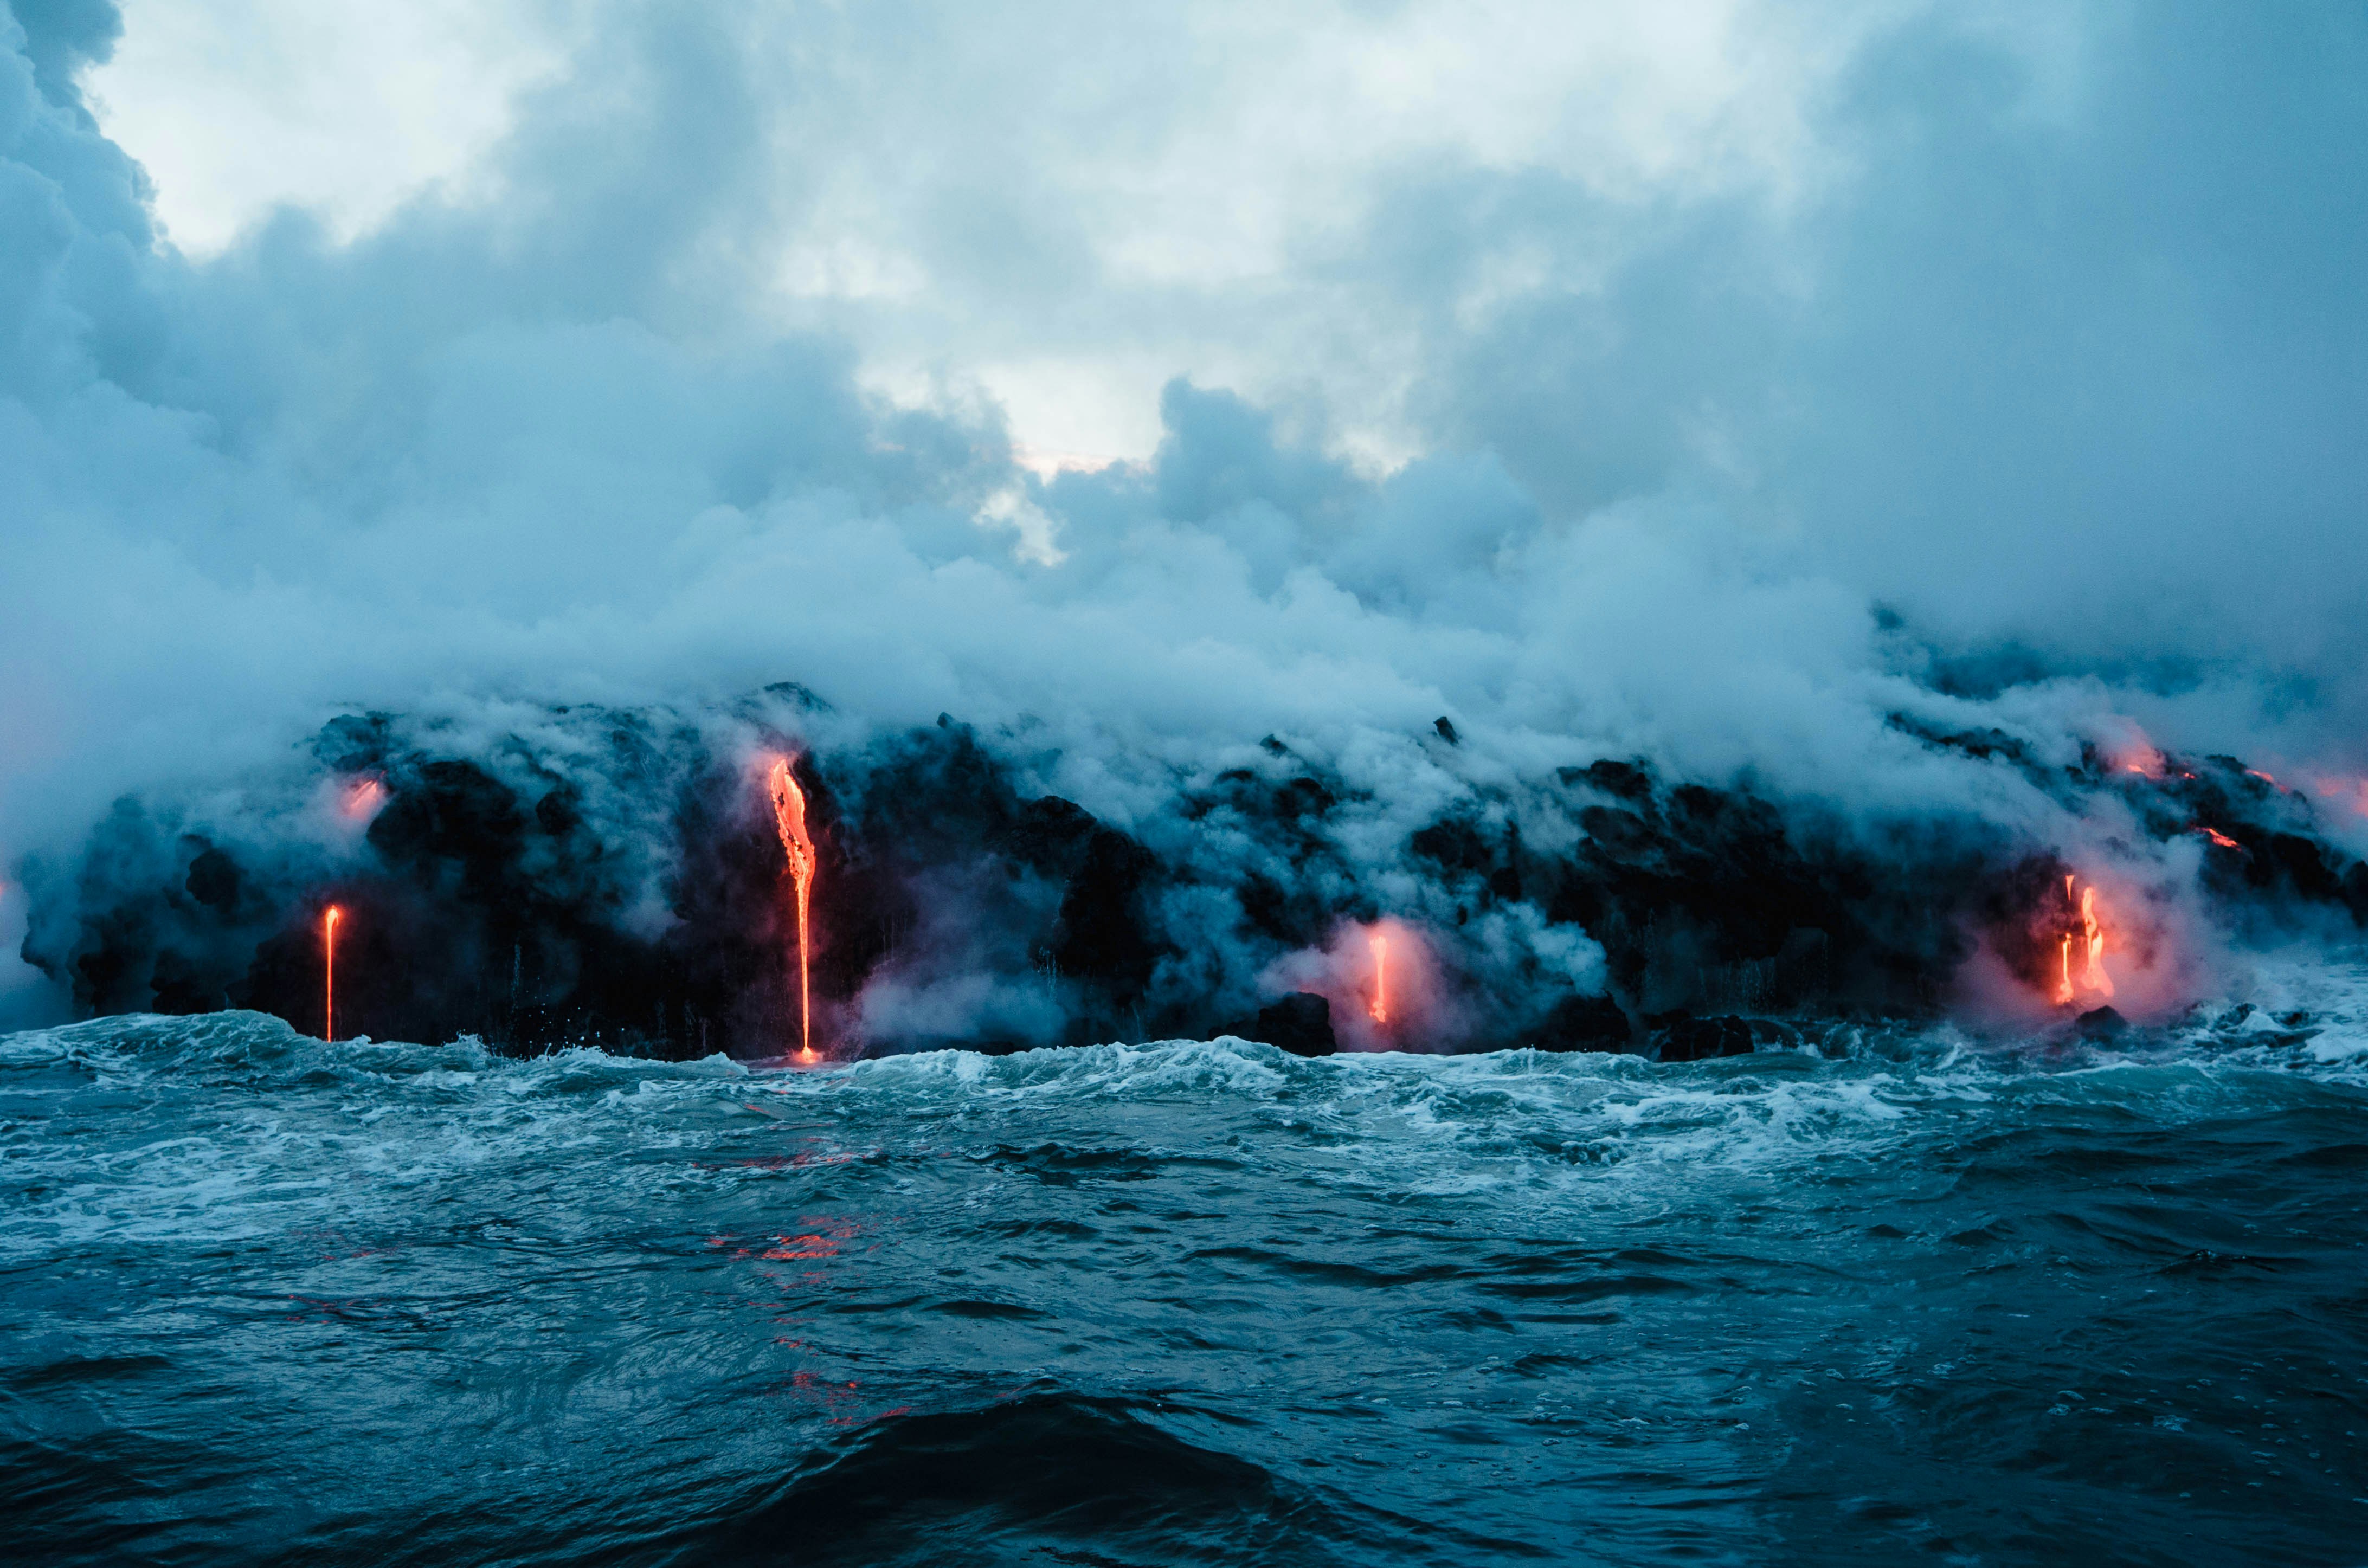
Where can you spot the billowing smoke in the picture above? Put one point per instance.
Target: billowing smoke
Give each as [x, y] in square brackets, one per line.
[1789, 587]
[614, 875]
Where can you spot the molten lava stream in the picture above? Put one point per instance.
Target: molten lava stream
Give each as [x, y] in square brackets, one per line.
[2093, 930]
[790, 819]
[329, 919]
[2090, 941]
[362, 798]
[1380, 1006]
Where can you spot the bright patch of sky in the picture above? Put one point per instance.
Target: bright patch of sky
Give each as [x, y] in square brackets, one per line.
[1179, 191]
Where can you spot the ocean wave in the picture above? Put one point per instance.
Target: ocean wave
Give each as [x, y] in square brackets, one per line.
[1193, 1301]
[1049, 1476]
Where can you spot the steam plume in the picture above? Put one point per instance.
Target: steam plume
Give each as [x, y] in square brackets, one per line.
[1744, 600]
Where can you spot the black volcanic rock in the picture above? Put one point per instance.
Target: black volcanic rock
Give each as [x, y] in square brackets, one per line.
[1102, 936]
[1301, 1024]
[1584, 1023]
[504, 888]
[1048, 831]
[2101, 1023]
[1698, 1040]
[213, 879]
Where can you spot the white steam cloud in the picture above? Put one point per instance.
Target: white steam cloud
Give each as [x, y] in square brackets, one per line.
[1710, 391]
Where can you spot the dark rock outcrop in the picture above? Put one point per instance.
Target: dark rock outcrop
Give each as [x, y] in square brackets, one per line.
[1698, 1040]
[1584, 1023]
[2101, 1023]
[1301, 1024]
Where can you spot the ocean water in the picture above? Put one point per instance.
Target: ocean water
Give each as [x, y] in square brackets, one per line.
[1896, 1297]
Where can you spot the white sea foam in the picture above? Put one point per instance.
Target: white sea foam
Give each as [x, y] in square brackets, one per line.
[131, 1129]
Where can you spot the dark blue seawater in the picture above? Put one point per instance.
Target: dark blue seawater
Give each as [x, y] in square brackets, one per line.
[1903, 1299]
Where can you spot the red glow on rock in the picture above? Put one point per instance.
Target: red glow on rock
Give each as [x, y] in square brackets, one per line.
[2133, 753]
[1382, 982]
[2138, 938]
[361, 799]
[2220, 838]
[2347, 791]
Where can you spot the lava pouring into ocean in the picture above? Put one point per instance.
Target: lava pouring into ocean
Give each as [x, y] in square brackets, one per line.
[790, 819]
[1379, 1007]
[329, 919]
[2090, 941]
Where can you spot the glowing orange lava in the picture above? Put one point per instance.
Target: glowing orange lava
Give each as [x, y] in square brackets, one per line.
[329, 919]
[362, 798]
[2093, 929]
[2220, 838]
[1380, 1006]
[2132, 752]
[2090, 940]
[790, 817]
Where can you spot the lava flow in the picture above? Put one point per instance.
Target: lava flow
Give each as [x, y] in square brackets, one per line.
[2090, 939]
[329, 972]
[362, 798]
[789, 818]
[1379, 1005]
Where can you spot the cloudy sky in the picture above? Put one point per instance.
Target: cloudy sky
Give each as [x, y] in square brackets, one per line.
[1692, 378]
[1063, 207]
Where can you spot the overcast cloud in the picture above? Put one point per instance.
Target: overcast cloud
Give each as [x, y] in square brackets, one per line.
[1704, 387]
